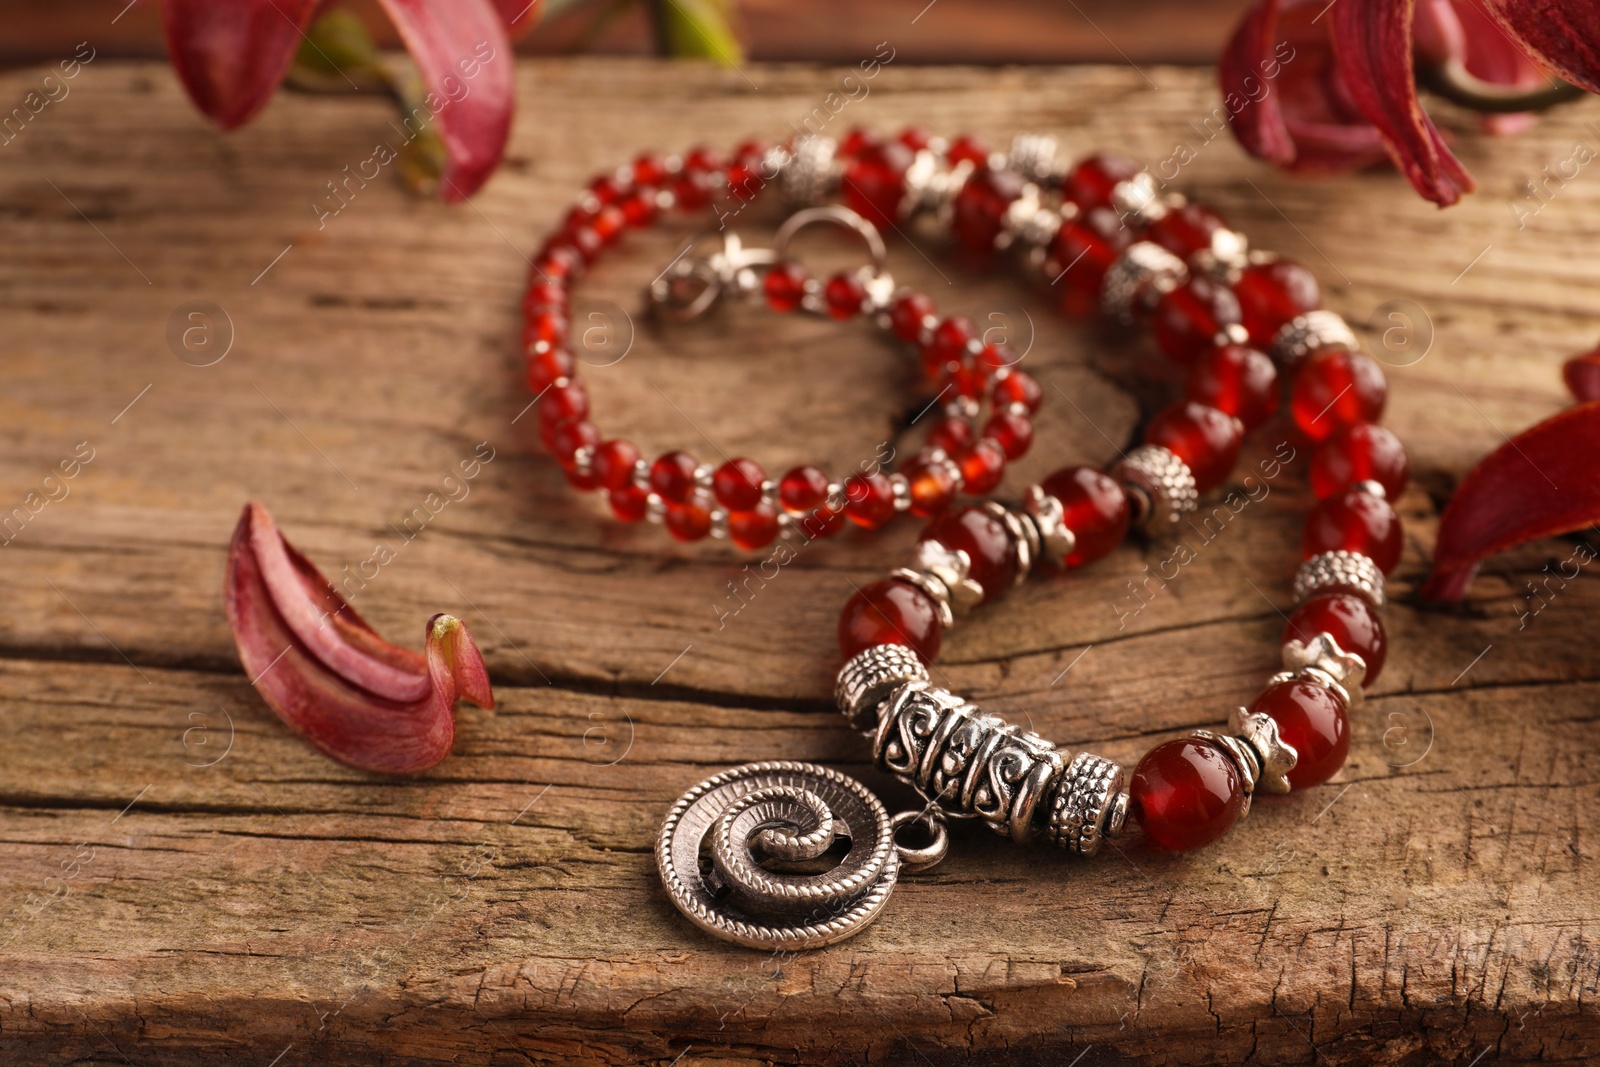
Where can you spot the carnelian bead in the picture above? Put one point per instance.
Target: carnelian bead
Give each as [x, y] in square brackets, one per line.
[980, 207]
[1236, 380]
[785, 286]
[844, 294]
[641, 208]
[1019, 387]
[982, 467]
[890, 612]
[968, 149]
[1013, 433]
[688, 522]
[997, 356]
[1352, 621]
[953, 435]
[1334, 389]
[567, 438]
[1355, 521]
[608, 189]
[546, 296]
[1312, 721]
[855, 141]
[737, 484]
[556, 262]
[648, 169]
[914, 137]
[1272, 293]
[802, 489]
[547, 368]
[1082, 252]
[563, 403]
[544, 330]
[948, 345]
[630, 503]
[933, 486]
[875, 182]
[613, 463]
[585, 242]
[970, 379]
[906, 314]
[610, 223]
[703, 159]
[1186, 320]
[1358, 453]
[1186, 793]
[823, 522]
[693, 189]
[1094, 507]
[582, 480]
[991, 554]
[1186, 229]
[1090, 183]
[753, 529]
[869, 500]
[672, 476]
[1200, 435]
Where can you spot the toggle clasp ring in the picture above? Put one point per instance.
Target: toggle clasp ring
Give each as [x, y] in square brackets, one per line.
[913, 860]
[839, 216]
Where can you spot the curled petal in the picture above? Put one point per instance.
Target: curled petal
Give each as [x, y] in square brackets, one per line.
[464, 56]
[1582, 375]
[231, 56]
[1539, 484]
[1564, 35]
[327, 673]
[1258, 121]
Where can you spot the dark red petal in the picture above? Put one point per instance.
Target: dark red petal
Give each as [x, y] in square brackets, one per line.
[518, 15]
[1564, 35]
[1258, 123]
[1539, 484]
[231, 56]
[464, 56]
[1582, 375]
[1372, 43]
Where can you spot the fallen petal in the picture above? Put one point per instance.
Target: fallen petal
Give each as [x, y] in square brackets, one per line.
[328, 674]
[232, 56]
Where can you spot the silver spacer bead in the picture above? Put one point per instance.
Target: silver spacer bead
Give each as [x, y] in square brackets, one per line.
[583, 459]
[1233, 333]
[1305, 335]
[1056, 541]
[1243, 757]
[719, 524]
[1350, 570]
[1275, 758]
[1137, 200]
[1372, 488]
[655, 509]
[869, 678]
[810, 176]
[1024, 538]
[952, 568]
[1138, 277]
[1087, 804]
[936, 590]
[1033, 155]
[932, 184]
[879, 293]
[1324, 662]
[641, 474]
[1019, 216]
[900, 486]
[1227, 256]
[1159, 480]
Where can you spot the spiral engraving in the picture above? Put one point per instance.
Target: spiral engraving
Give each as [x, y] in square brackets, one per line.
[781, 813]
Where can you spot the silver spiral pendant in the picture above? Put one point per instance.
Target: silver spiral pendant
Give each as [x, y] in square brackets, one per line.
[778, 813]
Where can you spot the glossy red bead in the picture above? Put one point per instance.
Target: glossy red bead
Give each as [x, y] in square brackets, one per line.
[630, 503]
[969, 379]
[544, 330]
[648, 169]
[985, 540]
[567, 438]
[890, 612]
[1236, 380]
[1355, 521]
[547, 368]
[932, 484]
[857, 140]
[1312, 721]
[844, 294]
[1094, 507]
[1186, 793]
[1018, 387]
[1272, 293]
[672, 476]
[907, 312]
[874, 182]
[1186, 320]
[948, 346]
[802, 489]
[556, 262]
[1200, 435]
[1083, 250]
[563, 403]
[1335, 389]
[641, 208]
[694, 189]
[608, 188]
[968, 149]
[980, 208]
[953, 435]
[785, 286]
[610, 223]
[1360, 452]
[1186, 229]
[737, 484]
[1013, 433]
[983, 467]
[1352, 621]
[688, 522]
[869, 500]
[703, 159]
[824, 521]
[546, 296]
[753, 529]
[613, 463]
[1089, 184]
[914, 137]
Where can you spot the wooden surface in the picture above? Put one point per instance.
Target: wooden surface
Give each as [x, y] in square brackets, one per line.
[185, 881]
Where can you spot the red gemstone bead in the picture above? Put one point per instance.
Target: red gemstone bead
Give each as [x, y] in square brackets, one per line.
[1200, 435]
[825, 521]
[672, 476]
[1272, 293]
[753, 529]
[980, 208]
[857, 140]
[546, 296]
[844, 294]
[737, 484]
[890, 612]
[996, 357]
[614, 461]
[1013, 433]
[562, 403]
[630, 503]
[1089, 184]
[703, 159]
[585, 242]
[582, 480]
[648, 169]
[785, 286]
[1238, 381]
[970, 379]
[1019, 387]
[1358, 453]
[1335, 389]
[869, 500]
[933, 486]
[968, 149]
[802, 489]
[693, 189]
[953, 435]
[982, 467]
[985, 540]
[1355, 521]
[640, 208]
[914, 137]
[544, 330]
[1352, 621]
[1312, 721]
[906, 314]
[875, 182]
[1094, 507]
[1186, 793]
[610, 223]
[547, 368]
[948, 346]
[557, 263]
[565, 439]
[1082, 252]
[1185, 230]
[608, 189]
[1186, 320]
[688, 522]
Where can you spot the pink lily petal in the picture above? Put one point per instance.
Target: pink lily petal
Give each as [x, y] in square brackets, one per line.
[1564, 35]
[231, 56]
[518, 15]
[328, 675]
[464, 56]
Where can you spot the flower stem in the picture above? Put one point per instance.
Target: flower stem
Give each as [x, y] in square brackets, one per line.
[1455, 83]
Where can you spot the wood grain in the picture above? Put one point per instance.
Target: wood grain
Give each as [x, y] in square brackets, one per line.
[184, 880]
